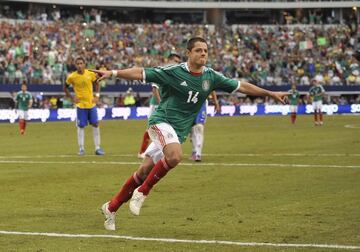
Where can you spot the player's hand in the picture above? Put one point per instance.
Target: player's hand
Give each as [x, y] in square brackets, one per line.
[75, 100]
[280, 96]
[103, 74]
[95, 99]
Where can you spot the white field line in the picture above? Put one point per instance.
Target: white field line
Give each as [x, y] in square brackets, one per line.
[171, 240]
[207, 155]
[185, 164]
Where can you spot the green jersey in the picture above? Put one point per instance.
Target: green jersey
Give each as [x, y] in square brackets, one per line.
[293, 97]
[153, 100]
[316, 92]
[23, 99]
[183, 94]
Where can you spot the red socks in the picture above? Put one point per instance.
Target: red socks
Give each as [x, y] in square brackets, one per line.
[321, 116]
[160, 169]
[125, 193]
[145, 142]
[22, 126]
[293, 118]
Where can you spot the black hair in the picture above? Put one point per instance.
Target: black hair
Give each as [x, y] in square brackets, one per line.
[192, 41]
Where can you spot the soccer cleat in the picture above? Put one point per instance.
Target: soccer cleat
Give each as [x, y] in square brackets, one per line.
[81, 152]
[109, 223]
[197, 158]
[136, 202]
[193, 156]
[141, 155]
[99, 152]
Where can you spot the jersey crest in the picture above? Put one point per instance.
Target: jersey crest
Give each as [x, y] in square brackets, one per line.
[205, 85]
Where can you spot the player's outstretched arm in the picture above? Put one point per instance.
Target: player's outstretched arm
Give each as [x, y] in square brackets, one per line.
[134, 73]
[250, 89]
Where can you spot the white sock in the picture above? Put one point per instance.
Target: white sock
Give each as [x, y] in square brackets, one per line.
[199, 135]
[96, 134]
[193, 140]
[81, 137]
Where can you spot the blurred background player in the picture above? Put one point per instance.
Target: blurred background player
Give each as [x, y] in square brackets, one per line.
[316, 93]
[293, 97]
[86, 111]
[155, 98]
[197, 130]
[23, 101]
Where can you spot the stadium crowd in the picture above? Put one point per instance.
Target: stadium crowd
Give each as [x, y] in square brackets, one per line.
[41, 48]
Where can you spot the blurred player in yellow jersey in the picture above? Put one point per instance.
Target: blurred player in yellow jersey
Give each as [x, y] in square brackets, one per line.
[82, 81]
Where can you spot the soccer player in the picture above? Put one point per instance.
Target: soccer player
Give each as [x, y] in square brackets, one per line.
[173, 58]
[294, 101]
[185, 88]
[316, 93]
[86, 111]
[23, 101]
[197, 130]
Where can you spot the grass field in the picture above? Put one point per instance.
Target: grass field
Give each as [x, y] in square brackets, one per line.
[262, 180]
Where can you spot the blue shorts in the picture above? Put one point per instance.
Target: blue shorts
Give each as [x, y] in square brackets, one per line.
[201, 116]
[83, 116]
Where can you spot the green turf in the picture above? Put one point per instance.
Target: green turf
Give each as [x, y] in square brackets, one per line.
[46, 187]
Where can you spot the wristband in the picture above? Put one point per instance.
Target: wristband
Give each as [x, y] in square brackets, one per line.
[97, 94]
[114, 73]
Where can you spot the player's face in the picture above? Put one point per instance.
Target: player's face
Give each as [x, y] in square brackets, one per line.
[23, 88]
[198, 54]
[80, 65]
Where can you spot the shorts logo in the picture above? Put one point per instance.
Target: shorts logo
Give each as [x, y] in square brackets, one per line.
[205, 85]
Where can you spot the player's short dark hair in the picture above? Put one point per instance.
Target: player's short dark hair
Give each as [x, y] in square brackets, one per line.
[192, 41]
[80, 58]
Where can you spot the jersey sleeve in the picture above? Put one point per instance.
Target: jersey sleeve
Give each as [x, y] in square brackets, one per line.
[68, 81]
[155, 75]
[93, 76]
[225, 84]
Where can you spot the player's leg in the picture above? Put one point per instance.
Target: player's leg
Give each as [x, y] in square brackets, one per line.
[144, 144]
[93, 119]
[199, 135]
[293, 110]
[81, 122]
[315, 113]
[152, 155]
[320, 113]
[198, 132]
[21, 114]
[193, 143]
[146, 139]
[165, 138]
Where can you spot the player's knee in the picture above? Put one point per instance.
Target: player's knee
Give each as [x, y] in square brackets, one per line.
[174, 159]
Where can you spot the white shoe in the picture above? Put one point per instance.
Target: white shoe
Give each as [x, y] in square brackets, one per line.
[136, 202]
[109, 223]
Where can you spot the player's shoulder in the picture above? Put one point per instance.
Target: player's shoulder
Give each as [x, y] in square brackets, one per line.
[88, 72]
[72, 75]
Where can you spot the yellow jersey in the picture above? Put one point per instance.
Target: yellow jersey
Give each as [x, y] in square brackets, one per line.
[83, 87]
